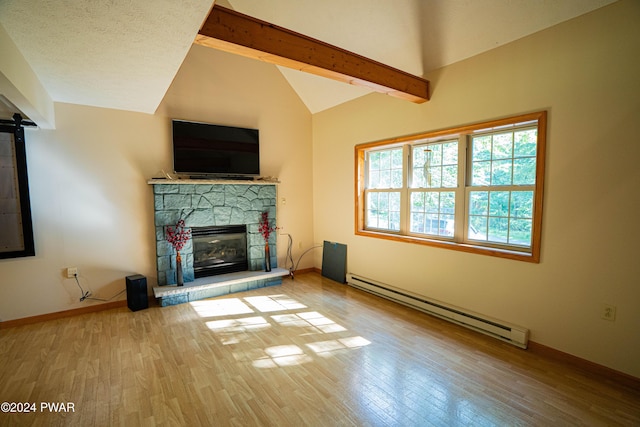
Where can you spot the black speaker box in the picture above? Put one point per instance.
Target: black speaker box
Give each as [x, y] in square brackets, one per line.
[137, 292]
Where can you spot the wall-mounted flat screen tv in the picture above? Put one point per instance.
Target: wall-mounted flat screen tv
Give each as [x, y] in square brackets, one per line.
[208, 149]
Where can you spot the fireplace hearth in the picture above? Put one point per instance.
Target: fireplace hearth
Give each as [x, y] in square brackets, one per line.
[219, 250]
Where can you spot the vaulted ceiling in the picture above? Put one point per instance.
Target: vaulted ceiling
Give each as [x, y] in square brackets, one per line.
[124, 54]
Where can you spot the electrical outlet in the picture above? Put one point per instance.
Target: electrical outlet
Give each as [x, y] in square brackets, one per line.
[72, 272]
[608, 312]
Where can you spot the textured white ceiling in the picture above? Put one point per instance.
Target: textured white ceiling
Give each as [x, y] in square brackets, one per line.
[120, 54]
[123, 54]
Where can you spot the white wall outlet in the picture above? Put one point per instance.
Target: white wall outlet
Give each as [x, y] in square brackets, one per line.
[72, 272]
[608, 312]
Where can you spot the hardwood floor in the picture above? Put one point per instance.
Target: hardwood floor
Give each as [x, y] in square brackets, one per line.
[310, 352]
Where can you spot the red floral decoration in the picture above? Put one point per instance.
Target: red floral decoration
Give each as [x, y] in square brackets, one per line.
[178, 236]
[264, 228]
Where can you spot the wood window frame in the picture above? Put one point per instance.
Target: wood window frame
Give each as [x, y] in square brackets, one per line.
[532, 256]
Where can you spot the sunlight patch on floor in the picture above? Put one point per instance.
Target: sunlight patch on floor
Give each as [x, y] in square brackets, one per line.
[237, 330]
[274, 303]
[315, 321]
[338, 345]
[222, 307]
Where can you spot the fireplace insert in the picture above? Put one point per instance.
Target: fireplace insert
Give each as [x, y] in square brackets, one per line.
[219, 249]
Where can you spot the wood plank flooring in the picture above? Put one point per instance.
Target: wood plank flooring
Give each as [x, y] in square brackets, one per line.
[308, 353]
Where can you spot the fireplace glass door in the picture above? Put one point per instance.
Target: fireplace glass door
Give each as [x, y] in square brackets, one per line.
[219, 250]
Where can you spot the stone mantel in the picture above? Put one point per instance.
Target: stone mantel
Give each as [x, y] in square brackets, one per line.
[257, 181]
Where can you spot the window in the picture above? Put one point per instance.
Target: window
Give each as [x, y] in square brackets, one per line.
[16, 232]
[476, 188]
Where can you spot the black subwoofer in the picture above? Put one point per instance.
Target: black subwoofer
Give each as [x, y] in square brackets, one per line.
[137, 292]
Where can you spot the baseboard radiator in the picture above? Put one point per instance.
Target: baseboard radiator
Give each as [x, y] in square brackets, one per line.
[512, 334]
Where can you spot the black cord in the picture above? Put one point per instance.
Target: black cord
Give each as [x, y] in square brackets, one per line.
[87, 294]
[289, 257]
[303, 253]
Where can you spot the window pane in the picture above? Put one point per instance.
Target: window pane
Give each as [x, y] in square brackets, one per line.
[524, 171]
[417, 202]
[522, 204]
[394, 202]
[432, 202]
[372, 218]
[385, 160]
[417, 222]
[479, 202]
[383, 210]
[436, 154]
[396, 159]
[450, 153]
[384, 169]
[374, 161]
[435, 165]
[374, 179]
[503, 217]
[448, 203]
[506, 158]
[434, 176]
[385, 179]
[502, 146]
[418, 155]
[394, 221]
[481, 148]
[396, 178]
[383, 204]
[418, 180]
[525, 143]
[481, 173]
[372, 201]
[432, 212]
[432, 225]
[520, 232]
[450, 176]
[477, 228]
[499, 203]
[498, 230]
[447, 225]
[501, 172]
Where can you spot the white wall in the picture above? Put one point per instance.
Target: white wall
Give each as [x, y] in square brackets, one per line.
[585, 74]
[92, 207]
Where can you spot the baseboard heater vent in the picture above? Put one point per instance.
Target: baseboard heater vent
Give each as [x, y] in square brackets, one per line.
[512, 334]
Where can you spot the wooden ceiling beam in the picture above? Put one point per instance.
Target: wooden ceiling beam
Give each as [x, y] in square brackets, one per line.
[233, 32]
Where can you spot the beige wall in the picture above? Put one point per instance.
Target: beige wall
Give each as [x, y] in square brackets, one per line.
[585, 74]
[92, 207]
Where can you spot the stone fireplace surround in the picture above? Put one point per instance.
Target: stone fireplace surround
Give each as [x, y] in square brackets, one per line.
[203, 203]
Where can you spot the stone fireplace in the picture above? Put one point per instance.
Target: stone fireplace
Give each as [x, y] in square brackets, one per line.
[209, 205]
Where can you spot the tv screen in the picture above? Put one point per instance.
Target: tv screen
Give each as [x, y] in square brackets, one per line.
[208, 149]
